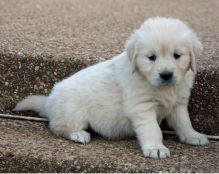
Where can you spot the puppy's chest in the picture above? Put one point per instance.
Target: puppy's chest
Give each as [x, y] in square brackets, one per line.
[166, 100]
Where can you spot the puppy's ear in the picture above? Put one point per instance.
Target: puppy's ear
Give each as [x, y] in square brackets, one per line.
[195, 51]
[130, 47]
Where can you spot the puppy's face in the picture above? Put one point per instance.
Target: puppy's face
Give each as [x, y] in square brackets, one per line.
[163, 60]
[163, 50]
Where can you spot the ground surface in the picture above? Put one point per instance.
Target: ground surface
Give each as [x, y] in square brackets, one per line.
[29, 147]
[43, 41]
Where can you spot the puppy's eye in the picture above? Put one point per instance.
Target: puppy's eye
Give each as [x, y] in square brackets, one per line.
[152, 58]
[176, 56]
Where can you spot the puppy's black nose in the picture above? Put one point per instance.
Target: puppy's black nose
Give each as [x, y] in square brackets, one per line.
[166, 75]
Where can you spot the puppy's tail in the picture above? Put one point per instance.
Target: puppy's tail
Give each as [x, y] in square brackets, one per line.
[34, 103]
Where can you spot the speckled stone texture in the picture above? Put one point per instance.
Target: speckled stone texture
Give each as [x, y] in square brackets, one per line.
[43, 41]
[29, 147]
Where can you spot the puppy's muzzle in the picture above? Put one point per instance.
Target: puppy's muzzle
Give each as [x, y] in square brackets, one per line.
[166, 77]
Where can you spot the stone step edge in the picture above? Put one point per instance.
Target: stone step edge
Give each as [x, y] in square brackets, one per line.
[204, 93]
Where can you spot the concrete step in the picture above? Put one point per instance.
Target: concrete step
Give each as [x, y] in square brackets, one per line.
[29, 147]
[43, 41]
[41, 46]
[22, 76]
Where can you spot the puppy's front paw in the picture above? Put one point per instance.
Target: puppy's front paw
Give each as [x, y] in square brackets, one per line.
[80, 137]
[195, 138]
[156, 151]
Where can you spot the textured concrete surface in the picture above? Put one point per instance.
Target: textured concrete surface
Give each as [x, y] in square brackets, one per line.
[43, 41]
[26, 76]
[94, 29]
[30, 147]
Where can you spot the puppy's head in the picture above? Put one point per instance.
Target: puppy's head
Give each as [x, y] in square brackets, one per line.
[163, 50]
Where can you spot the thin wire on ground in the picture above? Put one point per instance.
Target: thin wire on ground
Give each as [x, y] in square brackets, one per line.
[19, 117]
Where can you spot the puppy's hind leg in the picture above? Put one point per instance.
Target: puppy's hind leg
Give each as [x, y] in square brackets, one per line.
[69, 131]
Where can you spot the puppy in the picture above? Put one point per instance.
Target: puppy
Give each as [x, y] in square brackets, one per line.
[131, 93]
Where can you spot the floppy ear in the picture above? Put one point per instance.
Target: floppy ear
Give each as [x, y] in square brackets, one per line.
[130, 47]
[195, 51]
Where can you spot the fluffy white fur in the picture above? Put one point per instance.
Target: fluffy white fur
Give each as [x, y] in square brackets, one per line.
[126, 95]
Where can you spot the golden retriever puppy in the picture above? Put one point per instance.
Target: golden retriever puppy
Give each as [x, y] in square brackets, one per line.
[131, 93]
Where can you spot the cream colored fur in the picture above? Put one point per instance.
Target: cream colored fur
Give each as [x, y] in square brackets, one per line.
[125, 96]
